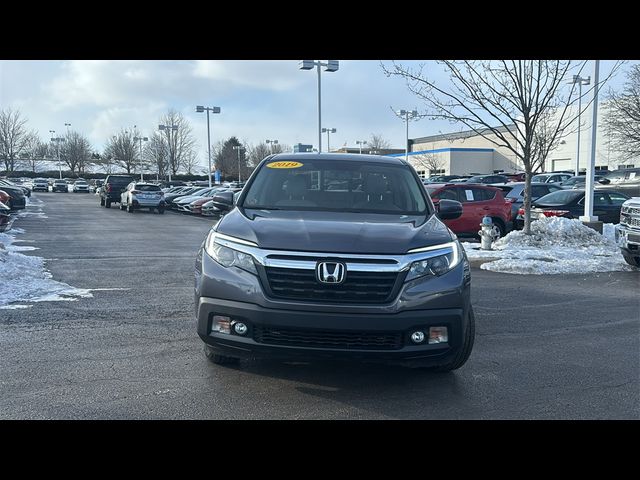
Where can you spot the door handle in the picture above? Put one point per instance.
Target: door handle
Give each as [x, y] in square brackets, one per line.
[486, 208]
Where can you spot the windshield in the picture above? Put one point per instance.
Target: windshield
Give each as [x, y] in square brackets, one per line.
[147, 188]
[561, 197]
[336, 185]
[476, 179]
[574, 180]
[539, 178]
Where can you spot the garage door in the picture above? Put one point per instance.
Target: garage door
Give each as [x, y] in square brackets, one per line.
[563, 164]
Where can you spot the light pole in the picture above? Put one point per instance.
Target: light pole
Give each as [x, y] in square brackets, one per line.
[272, 142]
[330, 66]
[407, 115]
[201, 109]
[588, 197]
[361, 142]
[328, 130]
[169, 129]
[238, 148]
[57, 140]
[580, 81]
[141, 139]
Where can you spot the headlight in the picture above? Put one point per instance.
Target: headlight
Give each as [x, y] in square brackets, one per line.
[228, 257]
[436, 265]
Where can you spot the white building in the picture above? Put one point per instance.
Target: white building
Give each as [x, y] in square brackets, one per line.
[460, 153]
[564, 156]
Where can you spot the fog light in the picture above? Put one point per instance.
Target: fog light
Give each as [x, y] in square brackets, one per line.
[240, 328]
[221, 324]
[417, 337]
[438, 335]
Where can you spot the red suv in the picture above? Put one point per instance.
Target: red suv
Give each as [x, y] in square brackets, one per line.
[477, 201]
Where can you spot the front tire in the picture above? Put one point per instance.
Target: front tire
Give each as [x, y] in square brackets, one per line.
[219, 359]
[631, 260]
[499, 228]
[161, 210]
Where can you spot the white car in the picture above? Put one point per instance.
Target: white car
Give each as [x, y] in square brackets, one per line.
[80, 186]
[139, 195]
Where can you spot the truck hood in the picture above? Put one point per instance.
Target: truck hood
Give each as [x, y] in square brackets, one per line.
[334, 231]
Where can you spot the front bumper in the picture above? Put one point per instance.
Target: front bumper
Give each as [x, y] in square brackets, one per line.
[628, 239]
[183, 207]
[421, 303]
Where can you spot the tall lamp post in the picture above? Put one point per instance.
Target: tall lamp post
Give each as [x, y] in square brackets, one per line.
[169, 129]
[407, 115]
[201, 109]
[361, 142]
[588, 185]
[328, 130]
[238, 148]
[272, 142]
[580, 81]
[330, 66]
[141, 139]
[57, 140]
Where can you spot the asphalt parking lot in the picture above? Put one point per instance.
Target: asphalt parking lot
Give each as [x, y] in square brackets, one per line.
[547, 347]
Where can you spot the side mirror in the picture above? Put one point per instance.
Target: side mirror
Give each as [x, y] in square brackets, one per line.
[223, 201]
[604, 181]
[449, 209]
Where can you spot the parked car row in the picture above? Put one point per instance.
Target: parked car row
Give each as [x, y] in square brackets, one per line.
[134, 195]
[17, 195]
[570, 204]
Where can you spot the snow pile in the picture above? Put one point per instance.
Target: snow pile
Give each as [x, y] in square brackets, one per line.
[24, 278]
[556, 245]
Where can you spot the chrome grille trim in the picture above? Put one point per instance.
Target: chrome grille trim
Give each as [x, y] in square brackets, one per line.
[402, 262]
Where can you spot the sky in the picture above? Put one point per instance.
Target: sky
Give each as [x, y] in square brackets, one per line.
[259, 99]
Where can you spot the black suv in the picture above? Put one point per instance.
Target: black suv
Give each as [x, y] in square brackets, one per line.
[112, 189]
[302, 268]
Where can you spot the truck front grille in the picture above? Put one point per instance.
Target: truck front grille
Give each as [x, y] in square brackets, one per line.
[629, 220]
[358, 287]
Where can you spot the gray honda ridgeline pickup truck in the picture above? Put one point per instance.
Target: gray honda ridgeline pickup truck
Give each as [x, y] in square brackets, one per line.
[334, 256]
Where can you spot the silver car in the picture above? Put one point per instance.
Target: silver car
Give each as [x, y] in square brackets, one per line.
[80, 186]
[139, 195]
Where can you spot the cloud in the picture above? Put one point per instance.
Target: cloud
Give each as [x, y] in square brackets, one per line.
[275, 75]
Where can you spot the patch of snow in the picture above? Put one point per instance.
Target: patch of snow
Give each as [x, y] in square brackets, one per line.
[15, 307]
[25, 278]
[557, 245]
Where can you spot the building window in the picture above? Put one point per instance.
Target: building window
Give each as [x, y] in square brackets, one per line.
[437, 172]
[625, 166]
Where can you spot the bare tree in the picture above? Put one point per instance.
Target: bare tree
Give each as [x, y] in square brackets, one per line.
[180, 142]
[105, 161]
[430, 162]
[35, 151]
[121, 147]
[76, 152]
[190, 162]
[257, 153]
[622, 118]
[520, 105]
[13, 137]
[378, 142]
[156, 152]
[280, 148]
